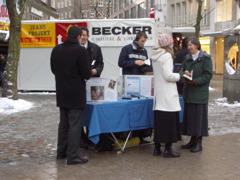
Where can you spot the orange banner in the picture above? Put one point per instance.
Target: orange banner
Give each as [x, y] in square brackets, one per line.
[38, 35]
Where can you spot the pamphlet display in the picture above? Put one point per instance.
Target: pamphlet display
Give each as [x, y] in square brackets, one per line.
[104, 89]
[138, 85]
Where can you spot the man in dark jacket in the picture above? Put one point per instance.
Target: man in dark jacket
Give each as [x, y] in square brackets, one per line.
[95, 53]
[3, 63]
[180, 55]
[132, 61]
[70, 65]
[132, 56]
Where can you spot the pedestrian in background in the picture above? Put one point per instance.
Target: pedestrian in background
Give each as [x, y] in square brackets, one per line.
[3, 62]
[70, 65]
[132, 61]
[196, 94]
[180, 55]
[166, 101]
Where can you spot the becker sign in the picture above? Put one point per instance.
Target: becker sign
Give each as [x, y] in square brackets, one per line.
[120, 32]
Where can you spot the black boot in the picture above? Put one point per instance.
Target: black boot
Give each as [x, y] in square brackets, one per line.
[157, 151]
[168, 152]
[198, 146]
[191, 143]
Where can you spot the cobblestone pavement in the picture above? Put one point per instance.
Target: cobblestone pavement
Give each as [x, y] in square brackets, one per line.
[28, 149]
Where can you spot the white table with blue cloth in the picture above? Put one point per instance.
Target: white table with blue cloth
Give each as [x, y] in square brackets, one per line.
[119, 116]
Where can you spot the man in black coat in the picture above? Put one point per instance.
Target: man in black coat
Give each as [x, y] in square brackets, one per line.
[70, 65]
[180, 55]
[95, 53]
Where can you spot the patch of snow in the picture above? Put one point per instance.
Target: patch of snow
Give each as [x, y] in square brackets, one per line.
[223, 102]
[8, 106]
[37, 93]
[211, 89]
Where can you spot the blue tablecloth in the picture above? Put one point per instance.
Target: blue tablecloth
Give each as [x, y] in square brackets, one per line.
[124, 115]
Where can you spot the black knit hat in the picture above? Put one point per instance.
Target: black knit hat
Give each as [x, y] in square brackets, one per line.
[74, 31]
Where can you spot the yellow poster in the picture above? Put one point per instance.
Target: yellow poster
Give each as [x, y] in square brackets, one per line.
[4, 26]
[38, 35]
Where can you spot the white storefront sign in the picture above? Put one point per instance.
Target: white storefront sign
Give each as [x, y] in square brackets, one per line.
[119, 33]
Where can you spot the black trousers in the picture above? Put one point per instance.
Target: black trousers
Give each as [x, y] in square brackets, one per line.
[69, 132]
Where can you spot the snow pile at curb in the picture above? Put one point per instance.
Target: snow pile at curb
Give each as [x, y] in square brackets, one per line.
[8, 106]
[223, 102]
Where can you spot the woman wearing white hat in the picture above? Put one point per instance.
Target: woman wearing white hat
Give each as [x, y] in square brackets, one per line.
[166, 100]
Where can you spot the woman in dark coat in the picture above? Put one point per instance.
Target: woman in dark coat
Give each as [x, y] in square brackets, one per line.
[196, 94]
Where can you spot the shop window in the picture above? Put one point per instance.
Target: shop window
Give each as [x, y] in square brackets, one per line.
[232, 61]
[224, 10]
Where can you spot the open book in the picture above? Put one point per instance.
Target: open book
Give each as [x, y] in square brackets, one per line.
[188, 77]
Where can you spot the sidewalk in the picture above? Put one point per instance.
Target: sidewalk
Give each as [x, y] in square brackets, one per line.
[28, 149]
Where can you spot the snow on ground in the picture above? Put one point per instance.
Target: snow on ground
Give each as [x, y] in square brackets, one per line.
[9, 106]
[223, 102]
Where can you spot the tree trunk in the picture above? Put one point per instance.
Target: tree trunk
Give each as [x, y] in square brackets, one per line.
[10, 89]
[199, 18]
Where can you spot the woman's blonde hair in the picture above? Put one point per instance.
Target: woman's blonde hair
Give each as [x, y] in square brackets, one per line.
[169, 50]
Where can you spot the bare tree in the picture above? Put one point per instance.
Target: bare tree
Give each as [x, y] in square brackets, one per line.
[95, 7]
[199, 18]
[16, 10]
[108, 13]
[80, 8]
[238, 2]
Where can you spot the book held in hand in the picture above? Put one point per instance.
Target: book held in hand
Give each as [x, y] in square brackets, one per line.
[189, 77]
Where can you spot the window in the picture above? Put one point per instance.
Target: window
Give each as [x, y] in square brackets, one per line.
[204, 13]
[126, 14]
[91, 2]
[53, 3]
[59, 5]
[84, 13]
[141, 10]
[62, 16]
[173, 15]
[66, 3]
[45, 1]
[62, 3]
[120, 5]
[133, 12]
[69, 2]
[178, 18]
[184, 12]
[66, 15]
[100, 3]
[92, 14]
[224, 10]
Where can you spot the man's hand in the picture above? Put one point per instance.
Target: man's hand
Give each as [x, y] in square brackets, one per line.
[93, 72]
[139, 62]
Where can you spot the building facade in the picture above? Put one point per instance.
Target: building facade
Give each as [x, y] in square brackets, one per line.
[40, 10]
[99, 9]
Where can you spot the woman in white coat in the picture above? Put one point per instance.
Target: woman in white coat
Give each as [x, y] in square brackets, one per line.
[166, 100]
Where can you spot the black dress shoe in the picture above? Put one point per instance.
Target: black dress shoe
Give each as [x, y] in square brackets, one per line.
[169, 153]
[157, 152]
[61, 156]
[76, 161]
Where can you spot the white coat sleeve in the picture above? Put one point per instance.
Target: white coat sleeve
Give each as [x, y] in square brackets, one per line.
[168, 69]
